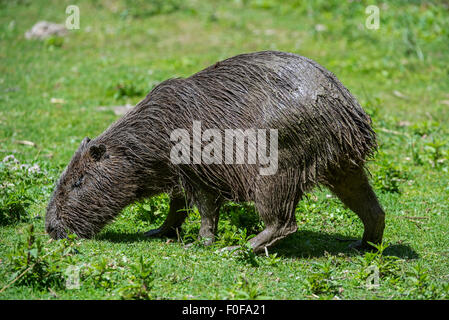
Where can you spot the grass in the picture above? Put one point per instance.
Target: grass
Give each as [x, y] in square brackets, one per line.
[50, 92]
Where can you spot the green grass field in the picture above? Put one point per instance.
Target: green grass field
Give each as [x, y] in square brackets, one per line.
[51, 91]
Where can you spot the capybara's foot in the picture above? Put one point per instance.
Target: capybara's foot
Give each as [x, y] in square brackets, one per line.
[354, 190]
[360, 245]
[203, 241]
[207, 241]
[231, 248]
[188, 245]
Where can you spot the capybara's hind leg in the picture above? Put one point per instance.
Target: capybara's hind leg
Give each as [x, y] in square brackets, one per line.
[354, 191]
[276, 202]
[175, 218]
[208, 204]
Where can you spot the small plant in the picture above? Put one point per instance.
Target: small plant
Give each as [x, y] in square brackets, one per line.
[153, 209]
[123, 90]
[191, 227]
[13, 207]
[419, 277]
[425, 128]
[376, 261]
[141, 281]
[20, 186]
[243, 216]
[101, 273]
[372, 106]
[410, 41]
[415, 153]
[238, 219]
[245, 252]
[34, 265]
[387, 178]
[14, 199]
[321, 282]
[54, 42]
[273, 259]
[229, 235]
[142, 9]
[422, 285]
[245, 290]
[435, 149]
[388, 265]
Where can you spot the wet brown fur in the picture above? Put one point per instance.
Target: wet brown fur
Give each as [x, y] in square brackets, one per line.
[325, 138]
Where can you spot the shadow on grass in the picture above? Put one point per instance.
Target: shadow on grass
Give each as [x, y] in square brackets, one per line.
[308, 244]
[302, 244]
[122, 236]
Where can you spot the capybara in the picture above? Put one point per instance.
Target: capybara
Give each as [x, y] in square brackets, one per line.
[323, 137]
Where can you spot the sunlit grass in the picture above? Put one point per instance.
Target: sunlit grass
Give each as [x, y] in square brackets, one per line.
[398, 73]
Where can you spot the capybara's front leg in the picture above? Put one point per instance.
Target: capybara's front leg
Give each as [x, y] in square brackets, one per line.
[208, 205]
[175, 218]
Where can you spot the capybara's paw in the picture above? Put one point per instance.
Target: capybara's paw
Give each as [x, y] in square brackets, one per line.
[188, 245]
[229, 249]
[359, 245]
[207, 241]
[200, 242]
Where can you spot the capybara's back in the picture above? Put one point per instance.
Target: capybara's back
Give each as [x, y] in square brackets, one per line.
[322, 136]
[320, 125]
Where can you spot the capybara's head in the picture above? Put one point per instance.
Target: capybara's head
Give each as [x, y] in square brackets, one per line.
[99, 181]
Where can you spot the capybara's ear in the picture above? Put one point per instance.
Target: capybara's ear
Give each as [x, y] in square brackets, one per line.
[96, 152]
[84, 143]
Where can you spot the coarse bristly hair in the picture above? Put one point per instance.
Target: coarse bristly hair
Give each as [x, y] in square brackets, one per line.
[321, 127]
